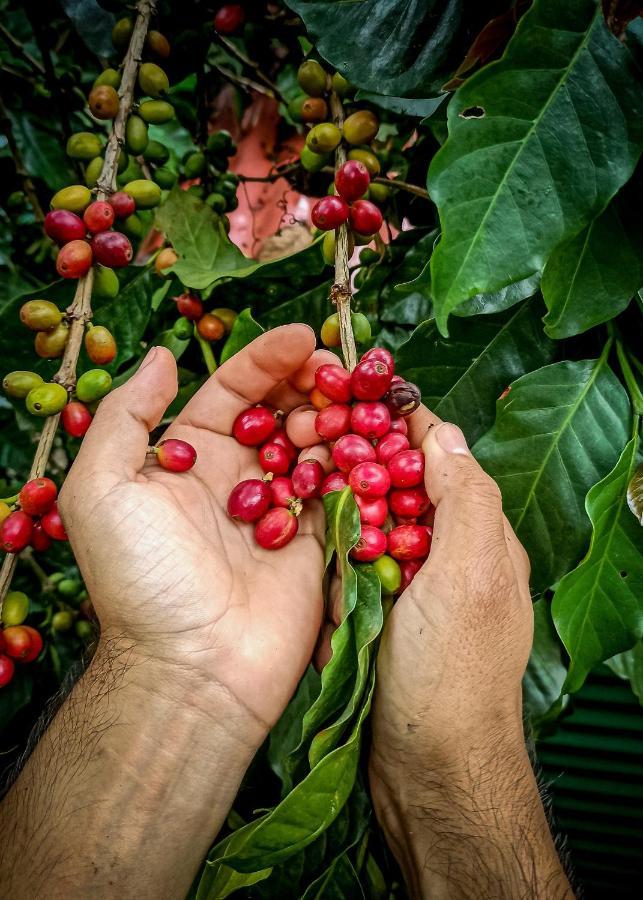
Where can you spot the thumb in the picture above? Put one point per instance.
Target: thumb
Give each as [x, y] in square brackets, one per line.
[468, 503]
[117, 440]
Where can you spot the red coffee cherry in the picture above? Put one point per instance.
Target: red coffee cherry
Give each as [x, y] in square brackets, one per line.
[391, 444]
[40, 540]
[336, 481]
[253, 426]
[371, 545]
[369, 479]
[282, 492]
[7, 668]
[365, 217]
[372, 511]
[352, 180]
[407, 468]
[409, 569]
[399, 426]
[22, 642]
[370, 379]
[371, 420]
[274, 458]
[409, 503]
[99, 216]
[63, 226]
[329, 213]
[334, 382]
[112, 249]
[53, 524]
[350, 450]
[382, 355]
[249, 500]
[15, 532]
[333, 421]
[100, 345]
[229, 18]
[37, 496]
[76, 419]
[307, 477]
[210, 327]
[280, 437]
[189, 306]
[175, 456]
[123, 204]
[74, 259]
[276, 528]
[408, 542]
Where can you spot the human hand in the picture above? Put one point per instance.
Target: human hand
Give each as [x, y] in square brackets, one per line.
[165, 566]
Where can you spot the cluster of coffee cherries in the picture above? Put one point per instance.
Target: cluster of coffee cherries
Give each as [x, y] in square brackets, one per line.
[210, 326]
[19, 643]
[31, 517]
[361, 415]
[351, 183]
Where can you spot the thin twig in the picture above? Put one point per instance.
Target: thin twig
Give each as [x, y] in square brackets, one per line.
[272, 176]
[80, 311]
[340, 292]
[233, 50]
[20, 50]
[395, 183]
[21, 170]
[247, 84]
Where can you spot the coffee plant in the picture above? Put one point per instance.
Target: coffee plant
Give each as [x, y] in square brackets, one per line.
[450, 196]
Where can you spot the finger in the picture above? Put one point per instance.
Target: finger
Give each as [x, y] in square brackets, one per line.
[419, 423]
[324, 650]
[300, 427]
[304, 379]
[248, 377]
[118, 437]
[320, 452]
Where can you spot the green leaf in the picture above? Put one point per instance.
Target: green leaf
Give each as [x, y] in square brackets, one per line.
[462, 376]
[312, 308]
[497, 301]
[403, 106]
[285, 736]
[539, 142]
[244, 330]
[401, 46]
[629, 665]
[14, 696]
[338, 882]
[592, 277]
[93, 23]
[42, 150]
[558, 431]
[598, 608]
[545, 675]
[126, 316]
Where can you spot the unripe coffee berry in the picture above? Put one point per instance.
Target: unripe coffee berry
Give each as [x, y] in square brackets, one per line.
[189, 306]
[124, 205]
[370, 379]
[15, 608]
[365, 217]
[46, 400]
[371, 545]
[307, 477]
[371, 420]
[336, 481]
[63, 226]
[276, 528]
[19, 383]
[100, 345]
[37, 496]
[330, 334]
[408, 542]
[99, 216]
[329, 213]
[352, 180]
[51, 344]
[15, 532]
[389, 574]
[369, 479]
[76, 419]
[254, 426]
[350, 450]
[93, 385]
[282, 492]
[175, 455]
[333, 421]
[53, 524]
[40, 315]
[113, 249]
[391, 444]
[40, 540]
[210, 327]
[372, 511]
[334, 381]
[74, 259]
[318, 400]
[407, 468]
[274, 458]
[249, 500]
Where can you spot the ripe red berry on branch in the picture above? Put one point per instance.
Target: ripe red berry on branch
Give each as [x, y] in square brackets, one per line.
[329, 213]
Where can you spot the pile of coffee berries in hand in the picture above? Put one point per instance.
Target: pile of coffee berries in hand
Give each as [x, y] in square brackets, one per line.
[31, 518]
[19, 643]
[361, 417]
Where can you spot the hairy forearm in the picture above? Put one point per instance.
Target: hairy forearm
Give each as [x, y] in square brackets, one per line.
[472, 825]
[127, 787]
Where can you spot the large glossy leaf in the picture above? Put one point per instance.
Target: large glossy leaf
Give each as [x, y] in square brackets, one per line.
[42, 149]
[558, 431]
[93, 23]
[629, 665]
[545, 675]
[286, 734]
[538, 144]
[385, 46]
[598, 608]
[338, 882]
[591, 278]
[312, 307]
[462, 376]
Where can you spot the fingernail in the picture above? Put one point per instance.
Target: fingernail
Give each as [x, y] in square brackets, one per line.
[147, 359]
[451, 439]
